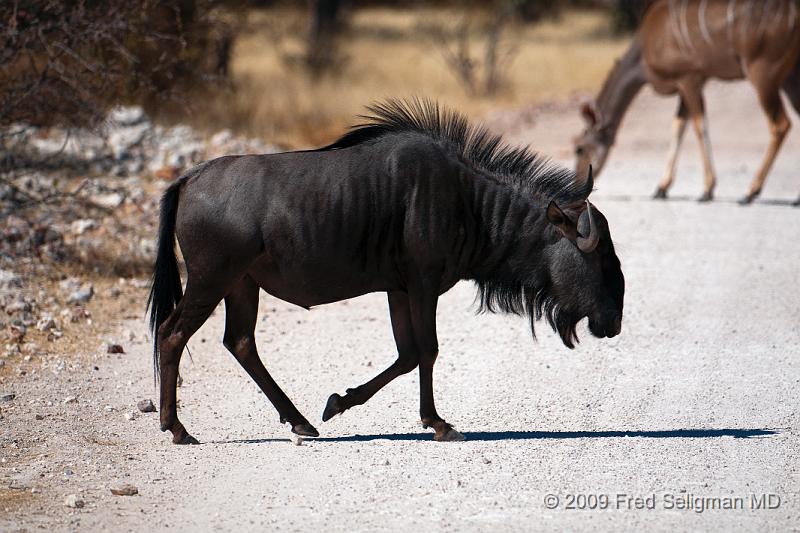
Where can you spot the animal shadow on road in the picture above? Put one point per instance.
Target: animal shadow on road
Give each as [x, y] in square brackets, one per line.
[691, 199]
[483, 436]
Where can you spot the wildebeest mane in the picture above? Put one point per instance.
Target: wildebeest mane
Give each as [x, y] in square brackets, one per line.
[518, 167]
[535, 303]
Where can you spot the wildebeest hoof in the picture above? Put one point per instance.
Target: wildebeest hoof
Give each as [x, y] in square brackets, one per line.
[796, 203]
[660, 194]
[450, 435]
[706, 197]
[305, 430]
[332, 408]
[186, 439]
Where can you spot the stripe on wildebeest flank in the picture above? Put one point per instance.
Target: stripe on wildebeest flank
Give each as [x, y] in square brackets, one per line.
[408, 203]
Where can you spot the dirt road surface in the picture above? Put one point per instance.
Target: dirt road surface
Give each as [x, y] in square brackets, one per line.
[696, 402]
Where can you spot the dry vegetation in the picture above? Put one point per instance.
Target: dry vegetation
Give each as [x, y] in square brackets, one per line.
[389, 52]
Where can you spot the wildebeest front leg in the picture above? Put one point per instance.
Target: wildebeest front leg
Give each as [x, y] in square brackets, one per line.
[423, 300]
[407, 360]
[241, 311]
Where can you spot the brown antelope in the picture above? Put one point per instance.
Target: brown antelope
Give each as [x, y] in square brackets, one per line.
[681, 44]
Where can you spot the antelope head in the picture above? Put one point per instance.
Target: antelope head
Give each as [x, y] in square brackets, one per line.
[591, 146]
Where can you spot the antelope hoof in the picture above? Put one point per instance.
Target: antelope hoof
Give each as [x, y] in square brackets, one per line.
[660, 194]
[332, 408]
[305, 430]
[186, 439]
[747, 200]
[449, 435]
[707, 197]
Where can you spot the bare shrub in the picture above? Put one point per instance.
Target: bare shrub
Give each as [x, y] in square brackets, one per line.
[627, 14]
[477, 76]
[65, 62]
[327, 23]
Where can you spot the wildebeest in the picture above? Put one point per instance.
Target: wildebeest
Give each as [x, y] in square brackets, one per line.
[408, 203]
[679, 46]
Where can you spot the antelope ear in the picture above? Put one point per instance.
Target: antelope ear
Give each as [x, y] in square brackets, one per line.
[589, 114]
[560, 220]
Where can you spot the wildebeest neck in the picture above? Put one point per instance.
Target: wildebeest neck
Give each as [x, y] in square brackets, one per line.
[510, 228]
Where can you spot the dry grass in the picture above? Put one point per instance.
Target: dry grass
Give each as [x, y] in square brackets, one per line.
[390, 53]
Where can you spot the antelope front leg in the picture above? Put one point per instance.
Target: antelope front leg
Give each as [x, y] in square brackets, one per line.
[678, 129]
[700, 123]
[423, 302]
[691, 91]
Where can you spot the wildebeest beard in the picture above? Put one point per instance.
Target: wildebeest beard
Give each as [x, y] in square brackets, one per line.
[533, 302]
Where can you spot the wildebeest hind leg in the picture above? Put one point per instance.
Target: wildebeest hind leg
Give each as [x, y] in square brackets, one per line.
[192, 311]
[241, 310]
[407, 360]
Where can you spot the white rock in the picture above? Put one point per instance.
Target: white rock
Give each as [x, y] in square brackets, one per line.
[31, 347]
[82, 295]
[83, 225]
[221, 137]
[74, 501]
[109, 201]
[123, 139]
[9, 280]
[46, 323]
[69, 284]
[17, 306]
[126, 115]
[148, 246]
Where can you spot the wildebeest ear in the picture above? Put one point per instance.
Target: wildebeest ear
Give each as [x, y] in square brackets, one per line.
[589, 114]
[560, 220]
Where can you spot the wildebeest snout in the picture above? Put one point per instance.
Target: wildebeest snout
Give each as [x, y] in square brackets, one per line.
[608, 325]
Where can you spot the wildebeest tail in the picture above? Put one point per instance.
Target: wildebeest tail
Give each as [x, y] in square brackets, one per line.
[165, 291]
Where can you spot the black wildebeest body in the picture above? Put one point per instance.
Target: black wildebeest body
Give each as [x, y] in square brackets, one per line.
[408, 204]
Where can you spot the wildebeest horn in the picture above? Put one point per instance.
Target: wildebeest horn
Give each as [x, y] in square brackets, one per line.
[588, 243]
[590, 180]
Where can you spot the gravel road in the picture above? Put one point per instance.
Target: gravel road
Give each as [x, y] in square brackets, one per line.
[696, 401]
